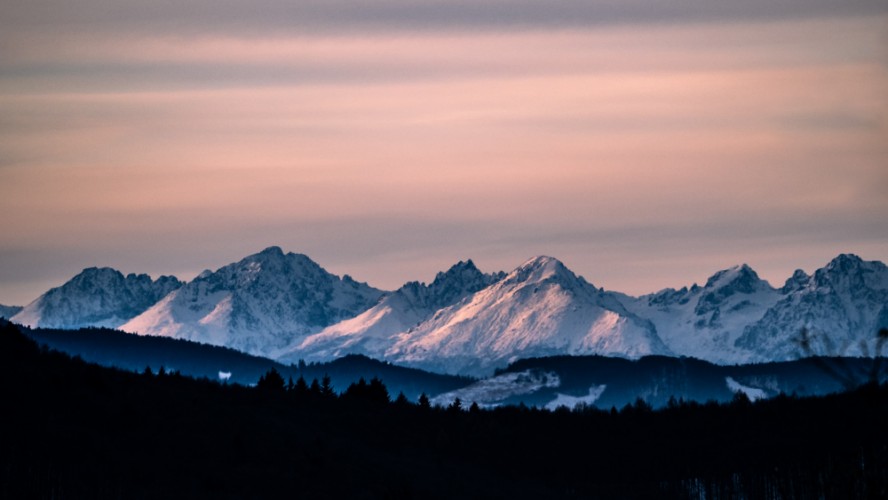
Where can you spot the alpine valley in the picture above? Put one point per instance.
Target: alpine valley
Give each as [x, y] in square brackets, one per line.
[287, 307]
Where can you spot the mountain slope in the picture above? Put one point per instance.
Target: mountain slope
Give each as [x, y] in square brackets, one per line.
[840, 306]
[739, 318]
[705, 322]
[96, 297]
[260, 305]
[374, 331]
[540, 308]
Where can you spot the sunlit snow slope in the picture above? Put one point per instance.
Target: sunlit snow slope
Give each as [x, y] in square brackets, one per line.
[260, 305]
[541, 308]
[374, 331]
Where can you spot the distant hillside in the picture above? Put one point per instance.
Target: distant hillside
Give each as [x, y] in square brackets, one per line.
[613, 382]
[135, 353]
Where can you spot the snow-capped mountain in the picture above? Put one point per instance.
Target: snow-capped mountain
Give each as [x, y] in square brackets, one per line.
[260, 305]
[705, 322]
[738, 318]
[841, 307]
[96, 297]
[9, 311]
[541, 308]
[374, 331]
[288, 307]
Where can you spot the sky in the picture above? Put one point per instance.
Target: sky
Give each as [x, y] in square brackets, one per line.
[645, 144]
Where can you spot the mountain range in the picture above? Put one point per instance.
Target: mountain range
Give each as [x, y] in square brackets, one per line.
[285, 306]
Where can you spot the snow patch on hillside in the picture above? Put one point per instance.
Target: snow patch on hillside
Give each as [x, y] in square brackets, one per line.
[571, 402]
[752, 393]
[492, 391]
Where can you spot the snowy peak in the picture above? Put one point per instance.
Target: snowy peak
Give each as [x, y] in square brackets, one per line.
[841, 306]
[261, 304]
[850, 273]
[728, 283]
[704, 322]
[541, 308]
[461, 272]
[797, 281]
[541, 269]
[737, 279]
[845, 263]
[374, 331]
[96, 297]
[451, 286]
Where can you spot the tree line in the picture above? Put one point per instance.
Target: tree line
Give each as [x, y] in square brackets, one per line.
[76, 430]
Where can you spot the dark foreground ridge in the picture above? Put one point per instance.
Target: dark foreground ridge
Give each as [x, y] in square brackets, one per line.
[77, 430]
[133, 352]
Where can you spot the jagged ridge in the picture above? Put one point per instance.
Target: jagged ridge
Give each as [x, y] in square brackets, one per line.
[259, 305]
[96, 297]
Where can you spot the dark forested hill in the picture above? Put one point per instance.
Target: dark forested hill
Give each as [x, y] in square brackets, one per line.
[615, 381]
[136, 352]
[78, 430]
[657, 379]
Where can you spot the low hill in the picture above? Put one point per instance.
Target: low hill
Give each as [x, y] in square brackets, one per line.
[132, 352]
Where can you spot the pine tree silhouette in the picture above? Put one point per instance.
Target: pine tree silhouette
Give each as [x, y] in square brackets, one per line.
[424, 402]
[271, 381]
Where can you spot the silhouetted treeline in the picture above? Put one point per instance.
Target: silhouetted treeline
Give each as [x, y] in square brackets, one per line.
[77, 430]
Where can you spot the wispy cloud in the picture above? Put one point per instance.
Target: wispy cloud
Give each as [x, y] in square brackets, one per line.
[318, 16]
[388, 139]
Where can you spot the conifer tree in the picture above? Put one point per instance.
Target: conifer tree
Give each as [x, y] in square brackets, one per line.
[301, 388]
[272, 381]
[424, 402]
[401, 400]
[315, 388]
[456, 405]
[377, 391]
[327, 388]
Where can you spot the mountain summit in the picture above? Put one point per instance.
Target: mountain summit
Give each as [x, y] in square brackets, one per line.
[705, 322]
[541, 308]
[374, 331]
[840, 307]
[260, 305]
[96, 297]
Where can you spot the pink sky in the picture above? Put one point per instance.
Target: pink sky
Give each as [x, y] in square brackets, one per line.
[642, 154]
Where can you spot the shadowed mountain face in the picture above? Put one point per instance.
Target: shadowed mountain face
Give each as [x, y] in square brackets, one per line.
[705, 322]
[840, 307]
[96, 297]
[737, 317]
[260, 305]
